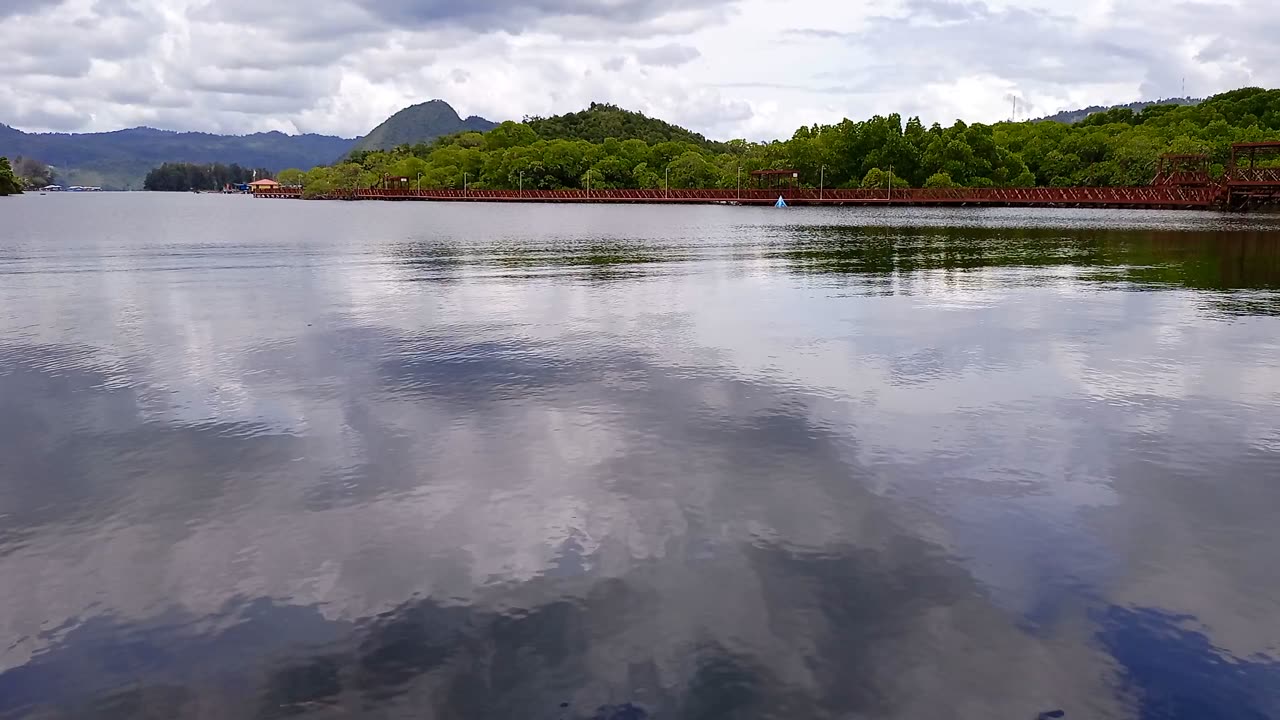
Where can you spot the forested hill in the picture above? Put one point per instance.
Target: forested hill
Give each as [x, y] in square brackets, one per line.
[601, 121]
[419, 124]
[121, 159]
[1117, 147]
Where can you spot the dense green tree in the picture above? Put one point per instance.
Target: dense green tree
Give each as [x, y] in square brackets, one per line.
[9, 184]
[883, 179]
[290, 177]
[939, 180]
[183, 177]
[613, 148]
[601, 121]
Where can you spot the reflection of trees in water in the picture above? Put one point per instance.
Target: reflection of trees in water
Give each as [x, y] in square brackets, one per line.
[840, 249]
[599, 257]
[1205, 260]
[1198, 260]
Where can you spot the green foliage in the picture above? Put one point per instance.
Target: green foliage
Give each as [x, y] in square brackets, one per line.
[613, 148]
[182, 177]
[602, 121]
[9, 184]
[939, 180]
[883, 179]
[290, 177]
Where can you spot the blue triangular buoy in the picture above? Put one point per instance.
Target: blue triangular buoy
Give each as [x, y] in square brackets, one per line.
[781, 203]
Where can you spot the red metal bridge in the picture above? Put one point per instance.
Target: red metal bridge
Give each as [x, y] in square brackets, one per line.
[1183, 183]
[1140, 197]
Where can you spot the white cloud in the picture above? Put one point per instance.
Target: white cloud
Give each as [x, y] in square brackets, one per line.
[725, 68]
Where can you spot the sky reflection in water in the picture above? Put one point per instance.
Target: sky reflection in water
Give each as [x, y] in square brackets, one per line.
[326, 460]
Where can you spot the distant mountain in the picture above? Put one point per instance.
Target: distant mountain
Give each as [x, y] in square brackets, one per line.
[601, 121]
[421, 123]
[1071, 117]
[121, 159]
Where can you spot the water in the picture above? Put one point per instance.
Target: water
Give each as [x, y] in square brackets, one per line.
[282, 459]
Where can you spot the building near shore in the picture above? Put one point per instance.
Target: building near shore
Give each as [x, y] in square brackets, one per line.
[260, 185]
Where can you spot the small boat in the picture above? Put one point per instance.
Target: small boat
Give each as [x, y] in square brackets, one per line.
[781, 203]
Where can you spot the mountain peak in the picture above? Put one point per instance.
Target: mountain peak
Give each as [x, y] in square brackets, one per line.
[419, 123]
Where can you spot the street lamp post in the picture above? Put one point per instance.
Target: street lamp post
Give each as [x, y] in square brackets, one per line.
[521, 183]
[739, 183]
[419, 183]
[666, 183]
[822, 180]
[464, 184]
[891, 182]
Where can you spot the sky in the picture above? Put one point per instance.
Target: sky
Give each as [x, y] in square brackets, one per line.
[756, 69]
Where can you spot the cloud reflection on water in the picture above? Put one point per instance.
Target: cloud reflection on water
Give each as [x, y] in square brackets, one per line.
[700, 487]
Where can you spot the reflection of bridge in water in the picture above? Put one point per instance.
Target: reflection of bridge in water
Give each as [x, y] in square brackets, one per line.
[1183, 182]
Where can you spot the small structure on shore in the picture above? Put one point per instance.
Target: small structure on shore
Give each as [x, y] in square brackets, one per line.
[265, 184]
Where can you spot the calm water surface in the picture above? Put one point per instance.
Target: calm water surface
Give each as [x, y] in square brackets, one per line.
[266, 459]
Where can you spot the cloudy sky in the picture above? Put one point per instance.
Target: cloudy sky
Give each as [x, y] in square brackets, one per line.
[728, 68]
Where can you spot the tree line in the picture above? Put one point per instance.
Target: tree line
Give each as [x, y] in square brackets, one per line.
[184, 177]
[1114, 148]
[9, 184]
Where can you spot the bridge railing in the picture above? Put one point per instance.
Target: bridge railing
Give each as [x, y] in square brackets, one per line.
[1254, 176]
[1180, 196]
[1156, 195]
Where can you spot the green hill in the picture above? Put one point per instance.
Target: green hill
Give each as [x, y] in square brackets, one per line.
[418, 124]
[601, 121]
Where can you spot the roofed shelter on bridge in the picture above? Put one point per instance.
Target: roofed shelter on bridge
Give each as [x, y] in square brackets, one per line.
[1246, 168]
[775, 179]
[1253, 177]
[1183, 170]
